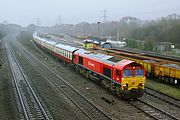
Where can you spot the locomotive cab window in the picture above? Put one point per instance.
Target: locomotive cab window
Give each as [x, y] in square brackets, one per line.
[139, 72]
[127, 73]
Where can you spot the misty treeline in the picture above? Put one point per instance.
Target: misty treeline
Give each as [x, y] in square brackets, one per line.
[25, 35]
[9, 29]
[164, 29]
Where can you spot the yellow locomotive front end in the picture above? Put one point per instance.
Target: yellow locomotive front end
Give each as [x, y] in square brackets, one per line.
[133, 81]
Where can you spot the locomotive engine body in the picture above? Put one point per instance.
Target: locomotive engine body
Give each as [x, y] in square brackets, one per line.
[123, 77]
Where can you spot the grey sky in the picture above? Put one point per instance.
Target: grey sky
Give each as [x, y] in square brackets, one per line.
[25, 12]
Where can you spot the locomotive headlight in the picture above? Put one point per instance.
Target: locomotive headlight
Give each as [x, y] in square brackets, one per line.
[125, 86]
[141, 84]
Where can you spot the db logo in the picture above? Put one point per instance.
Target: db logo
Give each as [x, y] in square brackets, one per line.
[90, 64]
[133, 82]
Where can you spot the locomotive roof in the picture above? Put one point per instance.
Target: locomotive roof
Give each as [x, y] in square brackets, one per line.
[123, 63]
[111, 60]
[66, 47]
[98, 56]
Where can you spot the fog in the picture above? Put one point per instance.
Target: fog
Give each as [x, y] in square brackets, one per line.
[51, 12]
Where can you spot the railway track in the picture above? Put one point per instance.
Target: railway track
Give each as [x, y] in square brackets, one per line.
[158, 105]
[164, 97]
[152, 110]
[149, 109]
[29, 103]
[88, 108]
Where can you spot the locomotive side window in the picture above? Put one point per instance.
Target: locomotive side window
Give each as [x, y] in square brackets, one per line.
[117, 73]
[127, 73]
[139, 72]
[80, 60]
[107, 72]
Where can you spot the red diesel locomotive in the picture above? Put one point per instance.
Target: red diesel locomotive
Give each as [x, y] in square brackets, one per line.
[125, 78]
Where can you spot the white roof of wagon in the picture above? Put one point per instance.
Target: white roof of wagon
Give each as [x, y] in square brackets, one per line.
[50, 42]
[66, 47]
[39, 38]
[45, 40]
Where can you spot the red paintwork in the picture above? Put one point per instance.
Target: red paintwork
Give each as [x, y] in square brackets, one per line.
[92, 65]
[97, 66]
